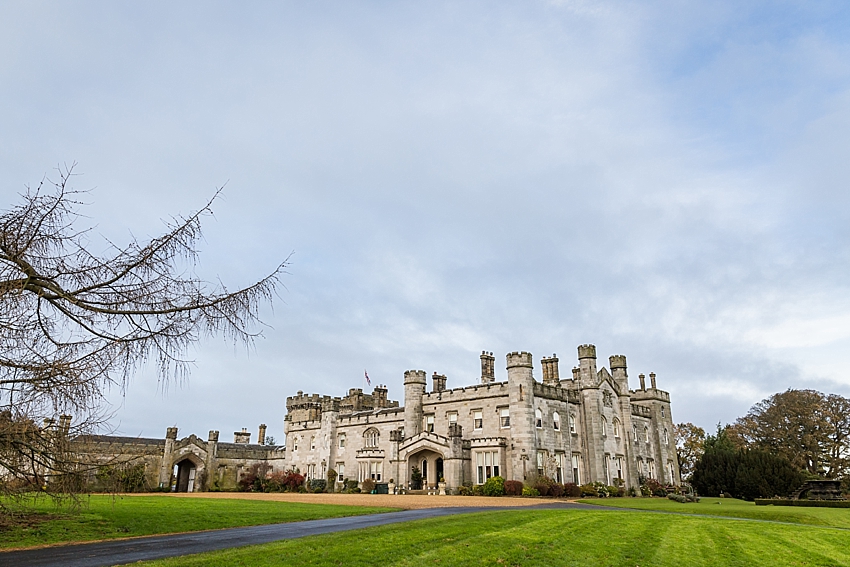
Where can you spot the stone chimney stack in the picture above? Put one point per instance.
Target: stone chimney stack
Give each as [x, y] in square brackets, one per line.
[64, 424]
[242, 437]
[642, 379]
[439, 381]
[379, 395]
[652, 379]
[488, 367]
[576, 374]
[213, 436]
[261, 435]
[551, 374]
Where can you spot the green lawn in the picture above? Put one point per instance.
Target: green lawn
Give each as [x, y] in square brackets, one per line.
[103, 517]
[837, 517]
[552, 538]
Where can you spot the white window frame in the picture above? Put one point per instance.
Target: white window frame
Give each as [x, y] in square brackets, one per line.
[341, 440]
[556, 421]
[486, 465]
[504, 418]
[573, 428]
[429, 423]
[478, 420]
[538, 419]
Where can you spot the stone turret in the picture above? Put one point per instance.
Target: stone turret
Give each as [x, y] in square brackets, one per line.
[488, 367]
[619, 371]
[521, 392]
[439, 382]
[414, 390]
[551, 375]
[587, 363]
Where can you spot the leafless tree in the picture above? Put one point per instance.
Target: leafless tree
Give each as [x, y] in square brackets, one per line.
[74, 323]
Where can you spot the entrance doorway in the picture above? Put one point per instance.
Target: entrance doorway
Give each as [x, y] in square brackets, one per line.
[439, 469]
[185, 473]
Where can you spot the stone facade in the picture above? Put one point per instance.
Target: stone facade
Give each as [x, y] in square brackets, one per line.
[585, 428]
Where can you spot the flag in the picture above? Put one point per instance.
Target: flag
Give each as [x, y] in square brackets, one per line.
[366, 374]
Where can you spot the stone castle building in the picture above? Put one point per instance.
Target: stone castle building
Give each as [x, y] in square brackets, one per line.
[587, 427]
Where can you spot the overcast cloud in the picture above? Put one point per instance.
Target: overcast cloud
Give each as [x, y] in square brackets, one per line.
[666, 180]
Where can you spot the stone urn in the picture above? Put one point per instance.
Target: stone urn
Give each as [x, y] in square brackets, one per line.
[391, 488]
[442, 487]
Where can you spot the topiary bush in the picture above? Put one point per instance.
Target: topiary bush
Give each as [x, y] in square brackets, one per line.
[513, 488]
[495, 486]
[318, 485]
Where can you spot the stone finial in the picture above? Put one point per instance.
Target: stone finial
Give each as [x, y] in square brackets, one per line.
[586, 351]
[213, 436]
[439, 381]
[652, 379]
[261, 435]
[171, 433]
[642, 379]
[414, 377]
[488, 367]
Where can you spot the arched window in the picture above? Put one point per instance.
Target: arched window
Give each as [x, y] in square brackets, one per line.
[572, 424]
[312, 442]
[666, 437]
[556, 421]
[646, 434]
[634, 432]
[604, 427]
[371, 438]
[538, 419]
[616, 427]
[295, 443]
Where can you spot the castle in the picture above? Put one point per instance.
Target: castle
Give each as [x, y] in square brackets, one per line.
[589, 427]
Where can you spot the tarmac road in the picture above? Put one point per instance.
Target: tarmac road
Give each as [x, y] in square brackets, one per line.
[121, 552]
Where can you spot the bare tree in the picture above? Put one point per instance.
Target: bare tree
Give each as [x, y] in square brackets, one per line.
[74, 323]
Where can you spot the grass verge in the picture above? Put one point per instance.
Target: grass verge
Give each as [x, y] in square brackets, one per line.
[731, 507]
[551, 537]
[105, 517]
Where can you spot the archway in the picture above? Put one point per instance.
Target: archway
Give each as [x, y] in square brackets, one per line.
[186, 472]
[430, 465]
[439, 467]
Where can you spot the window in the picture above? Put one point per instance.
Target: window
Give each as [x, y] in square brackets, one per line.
[478, 419]
[672, 472]
[618, 468]
[616, 427]
[556, 421]
[375, 470]
[340, 471]
[576, 476]
[540, 463]
[646, 434]
[559, 467]
[429, 423]
[504, 417]
[605, 472]
[313, 443]
[538, 419]
[666, 437]
[573, 424]
[295, 443]
[634, 432]
[487, 465]
[311, 471]
[662, 411]
[604, 427]
[452, 417]
[371, 438]
[341, 439]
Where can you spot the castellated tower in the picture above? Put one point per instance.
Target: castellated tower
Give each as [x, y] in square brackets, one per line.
[521, 396]
[587, 365]
[618, 371]
[414, 390]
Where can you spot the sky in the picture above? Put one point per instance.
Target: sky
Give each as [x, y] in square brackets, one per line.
[665, 180]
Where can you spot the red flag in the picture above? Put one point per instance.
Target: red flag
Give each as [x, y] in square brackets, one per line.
[367, 377]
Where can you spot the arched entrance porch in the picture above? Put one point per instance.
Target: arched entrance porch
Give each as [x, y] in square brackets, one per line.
[430, 465]
[186, 475]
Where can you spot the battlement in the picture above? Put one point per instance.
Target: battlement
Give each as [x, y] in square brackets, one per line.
[552, 392]
[414, 377]
[476, 391]
[520, 359]
[586, 351]
[617, 361]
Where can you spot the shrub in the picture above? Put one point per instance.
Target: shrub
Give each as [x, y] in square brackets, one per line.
[318, 485]
[530, 491]
[747, 473]
[543, 484]
[616, 491]
[332, 476]
[495, 486]
[415, 478]
[652, 487]
[478, 490]
[572, 490]
[464, 491]
[367, 485]
[591, 489]
[677, 498]
[513, 488]
[284, 481]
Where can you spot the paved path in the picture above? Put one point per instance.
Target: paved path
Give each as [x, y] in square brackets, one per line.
[102, 554]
